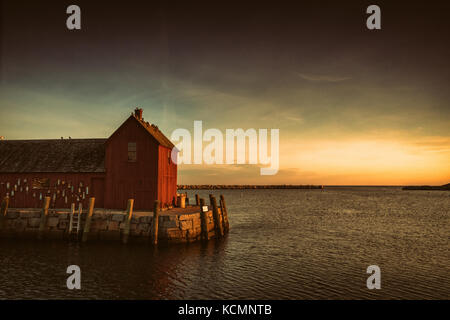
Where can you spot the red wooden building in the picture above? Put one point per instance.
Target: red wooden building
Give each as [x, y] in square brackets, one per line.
[134, 162]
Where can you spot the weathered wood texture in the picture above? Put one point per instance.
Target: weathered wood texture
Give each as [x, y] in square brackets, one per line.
[155, 223]
[44, 214]
[87, 223]
[217, 221]
[128, 215]
[204, 221]
[3, 211]
[223, 206]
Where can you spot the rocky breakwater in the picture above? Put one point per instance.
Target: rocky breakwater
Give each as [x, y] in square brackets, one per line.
[245, 186]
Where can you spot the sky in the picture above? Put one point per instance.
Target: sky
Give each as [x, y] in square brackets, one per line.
[353, 106]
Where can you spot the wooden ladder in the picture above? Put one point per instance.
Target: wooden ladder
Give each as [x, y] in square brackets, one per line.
[75, 219]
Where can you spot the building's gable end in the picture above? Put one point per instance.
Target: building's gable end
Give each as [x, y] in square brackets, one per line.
[146, 128]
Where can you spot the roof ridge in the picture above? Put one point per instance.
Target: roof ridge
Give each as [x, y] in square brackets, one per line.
[155, 132]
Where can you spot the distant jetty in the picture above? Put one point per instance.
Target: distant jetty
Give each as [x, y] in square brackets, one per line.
[244, 186]
[444, 187]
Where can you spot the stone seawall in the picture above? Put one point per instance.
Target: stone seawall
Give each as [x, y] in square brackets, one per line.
[175, 225]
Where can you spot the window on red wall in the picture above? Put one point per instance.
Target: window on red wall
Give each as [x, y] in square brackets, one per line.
[168, 154]
[132, 153]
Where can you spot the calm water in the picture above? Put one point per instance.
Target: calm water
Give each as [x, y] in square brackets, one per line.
[283, 244]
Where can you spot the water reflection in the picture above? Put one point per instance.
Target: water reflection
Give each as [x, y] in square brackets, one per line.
[283, 244]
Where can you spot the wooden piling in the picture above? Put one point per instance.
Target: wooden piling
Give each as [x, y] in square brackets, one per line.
[155, 223]
[217, 224]
[80, 211]
[72, 213]
[80, 215]
[225, 222]
[44, 214]
[129, 214]
[222, 214]
[197, 200]
[204, 221]
[3, 211]
[87, 223]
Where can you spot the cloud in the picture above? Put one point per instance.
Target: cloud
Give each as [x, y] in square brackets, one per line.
[322, 78]
[276, 115]
[438, 144]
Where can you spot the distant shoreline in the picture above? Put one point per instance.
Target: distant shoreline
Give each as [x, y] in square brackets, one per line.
[245, 186]
[292, 186]
[444, 187]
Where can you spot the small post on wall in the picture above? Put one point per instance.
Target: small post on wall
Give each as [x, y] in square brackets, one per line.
[217, 223]
[44, 215]
[204, 220]
[129, 214]
[3, 211]
[87, 224]
[155, 223]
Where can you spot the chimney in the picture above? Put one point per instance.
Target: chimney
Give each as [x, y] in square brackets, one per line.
[138, 113]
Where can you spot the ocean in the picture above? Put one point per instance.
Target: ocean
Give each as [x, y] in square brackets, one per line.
[283, 244]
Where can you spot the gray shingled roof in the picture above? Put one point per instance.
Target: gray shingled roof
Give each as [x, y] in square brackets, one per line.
[56, 155]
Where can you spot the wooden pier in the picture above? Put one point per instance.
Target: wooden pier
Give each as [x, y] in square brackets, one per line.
[174, 225]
